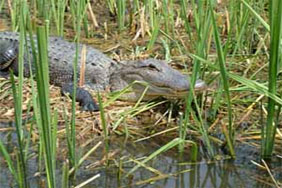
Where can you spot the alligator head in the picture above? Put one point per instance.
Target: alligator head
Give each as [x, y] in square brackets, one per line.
[161, 79]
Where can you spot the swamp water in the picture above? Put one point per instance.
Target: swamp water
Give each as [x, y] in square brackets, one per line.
[165, 171]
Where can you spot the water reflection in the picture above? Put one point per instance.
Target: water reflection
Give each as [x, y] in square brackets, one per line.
[168, 169]
[182, 174]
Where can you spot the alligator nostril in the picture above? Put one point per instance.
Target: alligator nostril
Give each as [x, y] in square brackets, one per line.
[94, 81]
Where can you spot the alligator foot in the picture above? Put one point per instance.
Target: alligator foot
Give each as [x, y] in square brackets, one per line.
[82, 96]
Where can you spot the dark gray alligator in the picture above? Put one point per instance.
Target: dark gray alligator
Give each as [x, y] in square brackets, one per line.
[101, 72]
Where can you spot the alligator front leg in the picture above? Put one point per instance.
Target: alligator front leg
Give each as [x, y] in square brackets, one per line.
[82, 96]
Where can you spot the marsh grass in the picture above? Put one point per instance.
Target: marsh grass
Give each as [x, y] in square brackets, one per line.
[58, 13]
[104, 125]
[202, 24]
[268, 131]
[2, 5]
[222, 61]
[121, 5]
[18, 96]
[79, 12]
[164, 148]
[65, 175]
[155, 31]
[168, 15]
[214, 37]
[111, 4]
[48, 128]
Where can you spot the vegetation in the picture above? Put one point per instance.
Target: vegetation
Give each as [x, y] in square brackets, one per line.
[234, 45]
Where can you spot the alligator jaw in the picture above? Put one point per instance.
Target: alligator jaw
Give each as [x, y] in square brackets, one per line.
[170, 93]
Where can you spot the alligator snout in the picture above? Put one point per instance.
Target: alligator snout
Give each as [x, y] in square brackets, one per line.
[174, 80]
[183, 84]
[200, 85]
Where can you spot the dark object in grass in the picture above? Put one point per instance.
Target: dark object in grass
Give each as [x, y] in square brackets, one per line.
[101, 72]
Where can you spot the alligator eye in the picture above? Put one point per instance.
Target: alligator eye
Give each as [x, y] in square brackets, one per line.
[153, 68]
[7, 58]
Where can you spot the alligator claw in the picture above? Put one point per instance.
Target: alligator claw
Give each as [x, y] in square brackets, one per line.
[82, 96]
[90, 106]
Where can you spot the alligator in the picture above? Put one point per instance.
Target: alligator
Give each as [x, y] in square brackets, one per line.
[101, 72]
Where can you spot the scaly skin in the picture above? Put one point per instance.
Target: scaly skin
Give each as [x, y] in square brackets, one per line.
[101, 72]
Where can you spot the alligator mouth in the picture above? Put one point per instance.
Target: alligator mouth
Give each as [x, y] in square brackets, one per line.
[155, 91]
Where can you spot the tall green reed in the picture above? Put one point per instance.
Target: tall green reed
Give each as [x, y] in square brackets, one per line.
[203, 23]
[46, 126]
[269, 130]
[111, 5]
[21, 174]
[104, 126]
[168, 15]
[274, 102]
[43, 8]
[46, 122]
[150, 5]
[58, 13]
[80, 8]
[1, 5]
[18, 170]
[15, 12]
[155, 31]
[121, 5]
[184, 17]
[222, 61]
[18, 101]
[136, 5]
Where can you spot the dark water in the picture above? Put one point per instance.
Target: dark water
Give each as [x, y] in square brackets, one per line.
[180, 172]
[223, 173]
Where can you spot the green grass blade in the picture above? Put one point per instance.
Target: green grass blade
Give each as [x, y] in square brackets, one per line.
[104, 125]
[65, 176]
[121, 4]
[1, 5]
[156, 28]
[203, 24]
[164, 148]
[42, 78]
[251, 84]
[266, 26]
[185, 18]
[18, 98]
[268, 131]
[9, 161]
[223, 71]
[111, 5]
